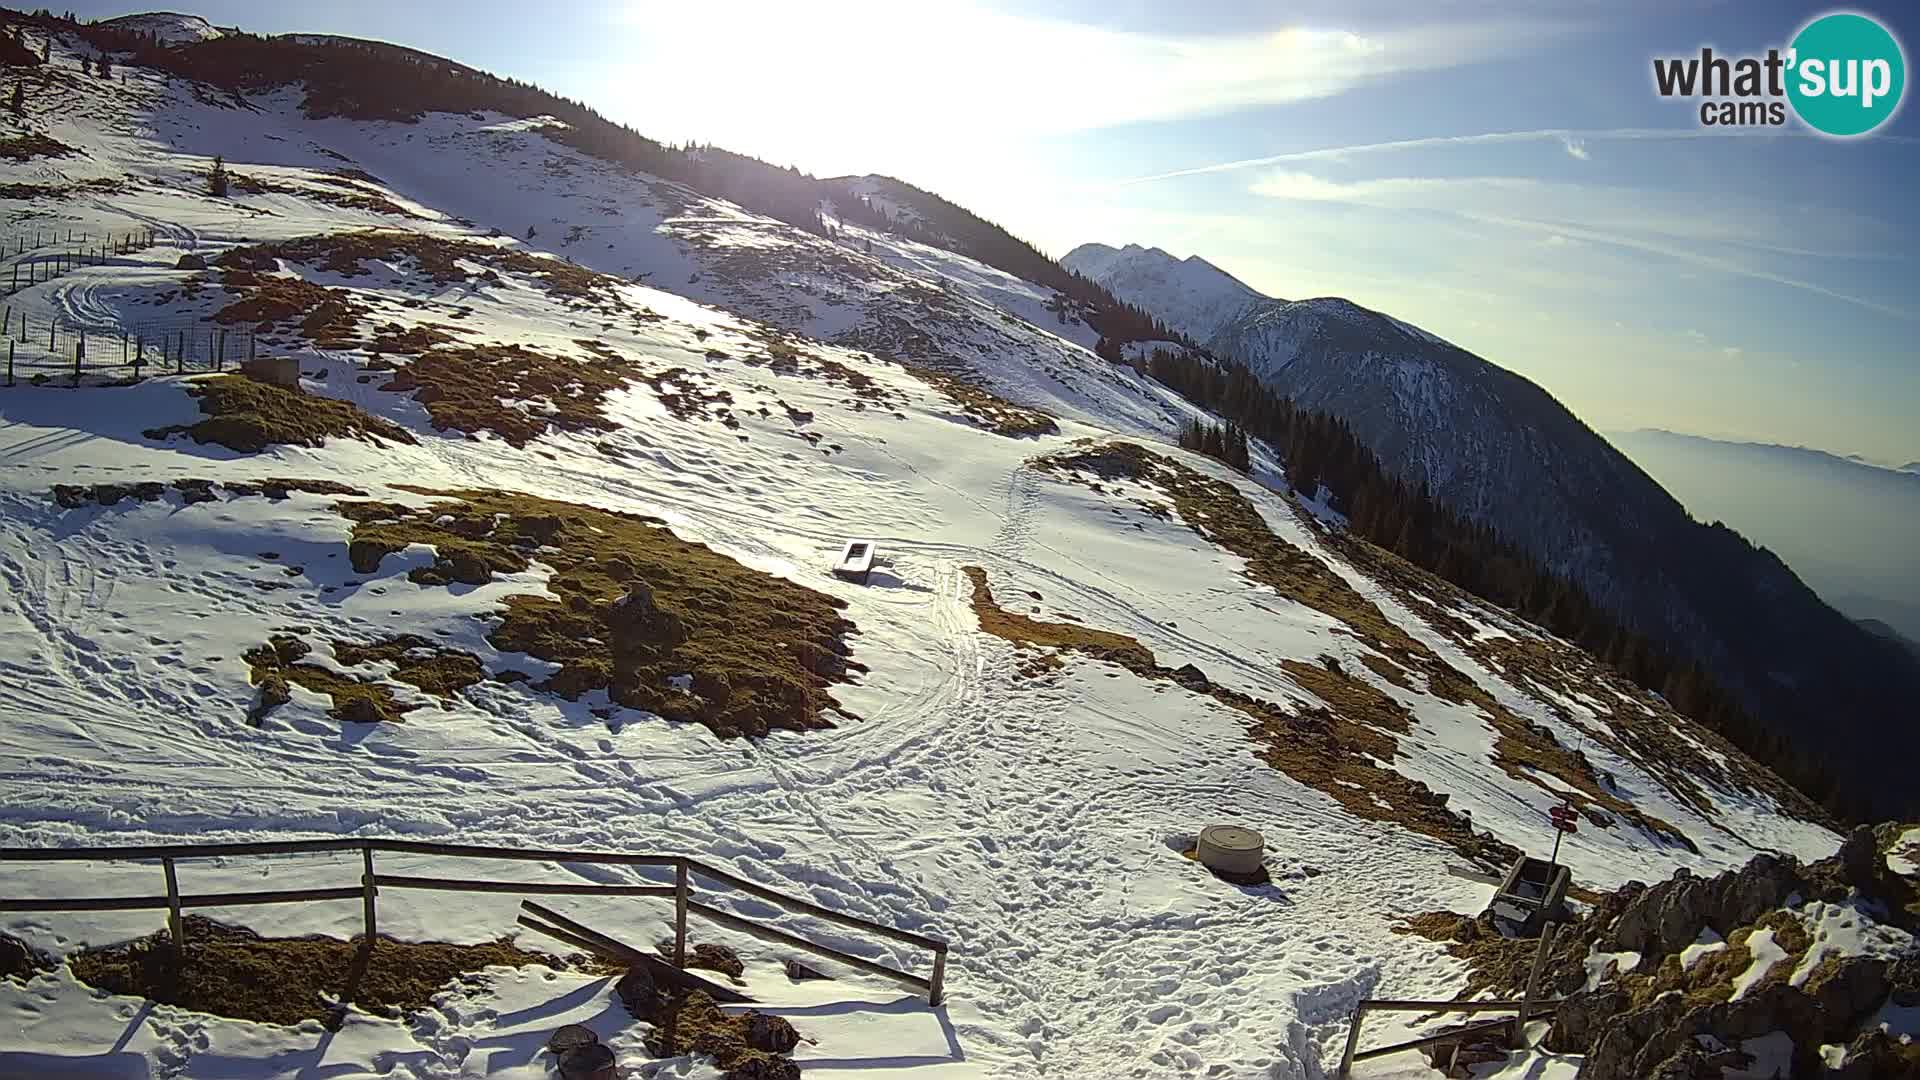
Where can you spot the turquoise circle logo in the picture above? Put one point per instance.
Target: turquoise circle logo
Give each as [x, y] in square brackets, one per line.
[1848, 73]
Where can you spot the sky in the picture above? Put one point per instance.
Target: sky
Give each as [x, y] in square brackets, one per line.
[1502, 174]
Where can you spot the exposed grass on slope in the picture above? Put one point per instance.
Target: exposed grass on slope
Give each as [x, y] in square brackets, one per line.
[696, 1025]
[989, 410]
[32, 145]
[340, 193]
[250, 416]
[232, 971]
[468, 389]
[1325, 750]
[327, 317]
[1631, 722]
[661, 624]
[275, 665]
[1218, 511]
[432, 667]
[74, 496]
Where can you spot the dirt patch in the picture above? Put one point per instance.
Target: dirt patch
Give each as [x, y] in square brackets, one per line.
[989, 410]
[662, 625]
[250, 416]
[695, 1025]
[232, 971]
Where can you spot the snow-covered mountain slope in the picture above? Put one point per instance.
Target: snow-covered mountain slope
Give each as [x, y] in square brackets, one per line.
[168, 27]
[1198, 298]
[1083, 645]
[1501, 450]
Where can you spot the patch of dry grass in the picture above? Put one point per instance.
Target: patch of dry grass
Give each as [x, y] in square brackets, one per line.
[989, 410]
[232, 971]
[275, 665]
[634, 608]
[432, 667]
[696, 1025]
[250, 416]
[463, 390]
[32, 145]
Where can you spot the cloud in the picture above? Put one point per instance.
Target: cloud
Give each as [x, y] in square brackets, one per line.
[1718, 231]
[1564, 136]
[1576, 147]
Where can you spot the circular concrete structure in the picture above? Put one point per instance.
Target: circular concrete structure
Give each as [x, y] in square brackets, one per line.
[1231, 849]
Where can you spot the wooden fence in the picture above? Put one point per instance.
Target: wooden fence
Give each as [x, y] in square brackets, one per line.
[686, 871]
[1524, 1010]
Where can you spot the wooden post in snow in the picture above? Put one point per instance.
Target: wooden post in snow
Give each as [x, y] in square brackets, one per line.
[368, 892]
[680, 915]
[174, 923]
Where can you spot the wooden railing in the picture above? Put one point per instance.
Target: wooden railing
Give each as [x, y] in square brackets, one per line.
[1524, 1010]
[686, 870]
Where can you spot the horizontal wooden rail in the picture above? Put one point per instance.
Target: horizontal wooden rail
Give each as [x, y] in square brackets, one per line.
[203, 900]
[547, 888]
[781, 937]
[1433, 1040]
[1451, 1006]
[371, 882]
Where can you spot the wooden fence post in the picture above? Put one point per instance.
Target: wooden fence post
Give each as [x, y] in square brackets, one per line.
[1353, 1041]
[9, 361]
[79, 354]
[680, 915]
[174, 923]
[368, 892]
[1519, 1039]
[936, 986]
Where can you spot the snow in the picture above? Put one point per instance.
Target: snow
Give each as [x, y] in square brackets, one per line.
[1707, 942]
[1901, 859]
[1765, 952]
[1032, 822]
[1602, 966]
[1772, 1057]
[1847, 929]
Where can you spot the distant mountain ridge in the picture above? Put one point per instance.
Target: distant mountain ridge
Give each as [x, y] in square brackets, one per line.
[1501, 450]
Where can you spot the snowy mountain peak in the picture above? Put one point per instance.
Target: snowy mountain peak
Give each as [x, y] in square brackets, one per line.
[1192, 295]
[170, 27]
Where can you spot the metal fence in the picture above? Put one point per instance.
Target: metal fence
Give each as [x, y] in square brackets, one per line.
[45, 254]
[51, 349]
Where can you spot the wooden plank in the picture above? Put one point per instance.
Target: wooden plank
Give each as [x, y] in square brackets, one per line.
[937, 986]
[1353, 1041]
[658, 968]
[534, 888]
[476, 851]
[181, 851]
[815, 910]
[1519, 1037]
[1452, 1006]
[781, 937]
[280, 896]
[1430, 1040]
[580, 943]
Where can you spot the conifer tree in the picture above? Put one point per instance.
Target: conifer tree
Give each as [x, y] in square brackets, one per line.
[19, 98]
[217, 178]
